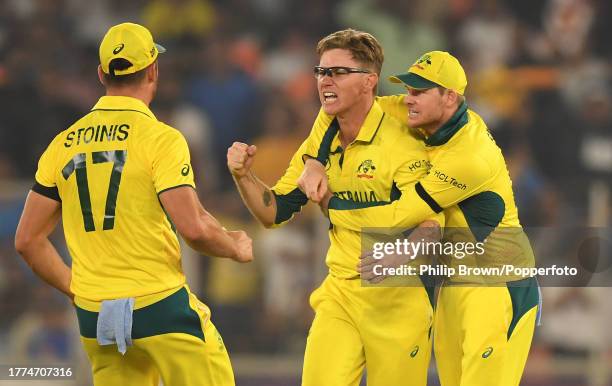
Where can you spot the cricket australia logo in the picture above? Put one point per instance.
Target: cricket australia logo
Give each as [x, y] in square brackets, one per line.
[423, 61]
[366, 169]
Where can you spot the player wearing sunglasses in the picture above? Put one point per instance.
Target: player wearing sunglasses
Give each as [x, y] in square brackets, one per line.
[374, 157]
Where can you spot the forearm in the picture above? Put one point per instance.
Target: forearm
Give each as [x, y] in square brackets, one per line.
[212, 239]
[429, 230]
[45, 261]
[214, 242]
[257, 197]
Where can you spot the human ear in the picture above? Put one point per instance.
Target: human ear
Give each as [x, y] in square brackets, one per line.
[452, 97]
[370, 82]
[101, 75]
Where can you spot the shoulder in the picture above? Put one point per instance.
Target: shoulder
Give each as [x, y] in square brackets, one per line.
[166, 129]
[394, 105]
[475, 120]
[479, 140]
[322, 123]
[390, 101]
[162, 132]
[462, 162]
[395, 134]
[65, 138]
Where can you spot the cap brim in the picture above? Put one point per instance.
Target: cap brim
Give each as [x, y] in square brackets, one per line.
[413, 81]
[160, 49]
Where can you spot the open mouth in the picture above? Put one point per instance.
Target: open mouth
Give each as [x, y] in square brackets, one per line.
[329, 97]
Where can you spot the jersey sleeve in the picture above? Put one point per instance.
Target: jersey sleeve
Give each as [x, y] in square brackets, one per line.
[451, 180]
[394, 106]
[410, 173]
[171, 162]
[412, 165]
[47, 171]
[357, 215]
[289, 198]
[454, 178]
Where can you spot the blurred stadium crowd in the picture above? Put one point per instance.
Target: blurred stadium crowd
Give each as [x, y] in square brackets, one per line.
[538, 72]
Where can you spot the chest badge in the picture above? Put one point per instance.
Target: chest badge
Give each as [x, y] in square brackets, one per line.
[366, 169]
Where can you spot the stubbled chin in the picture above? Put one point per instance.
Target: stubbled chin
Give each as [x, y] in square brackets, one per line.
[331, 108]
[413, 122]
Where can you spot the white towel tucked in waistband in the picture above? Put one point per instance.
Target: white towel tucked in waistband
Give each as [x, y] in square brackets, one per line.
[115, 323]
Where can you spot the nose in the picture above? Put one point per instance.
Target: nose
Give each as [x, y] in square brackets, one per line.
[325, 80]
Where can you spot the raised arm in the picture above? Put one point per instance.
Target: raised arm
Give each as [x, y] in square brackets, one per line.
[277, 205]
[255, 194]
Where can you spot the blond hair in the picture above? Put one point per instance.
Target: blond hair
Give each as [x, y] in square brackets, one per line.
[363, 47]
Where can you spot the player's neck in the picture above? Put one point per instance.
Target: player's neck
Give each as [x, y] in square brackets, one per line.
[352, 119]
[433, 127]
[138, 93]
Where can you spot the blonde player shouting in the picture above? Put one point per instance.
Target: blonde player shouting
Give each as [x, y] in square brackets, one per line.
[374, 158]
[482, 332]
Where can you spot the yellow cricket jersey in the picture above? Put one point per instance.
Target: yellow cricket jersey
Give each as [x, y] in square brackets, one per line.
[468, 180]
[381, 163]
[109, 168]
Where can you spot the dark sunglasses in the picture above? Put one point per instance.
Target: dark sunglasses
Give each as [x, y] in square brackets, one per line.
[320, 72]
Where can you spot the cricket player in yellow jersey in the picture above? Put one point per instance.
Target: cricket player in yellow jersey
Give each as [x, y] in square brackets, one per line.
[374, 158]
[483, 326]
[123, 185]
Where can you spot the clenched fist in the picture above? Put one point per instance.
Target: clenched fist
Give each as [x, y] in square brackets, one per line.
[240, 157]
[313, 181]
[244, 246]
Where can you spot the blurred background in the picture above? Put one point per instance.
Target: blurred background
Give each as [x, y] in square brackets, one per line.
[538, 73]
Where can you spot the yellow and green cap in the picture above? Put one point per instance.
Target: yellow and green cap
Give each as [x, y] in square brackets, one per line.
[433, 69]
[131, 42]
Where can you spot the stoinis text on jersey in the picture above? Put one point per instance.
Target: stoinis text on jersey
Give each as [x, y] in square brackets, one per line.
[99, 133]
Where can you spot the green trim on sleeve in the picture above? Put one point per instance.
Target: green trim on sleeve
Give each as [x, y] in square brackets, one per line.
[427, 198]
[483, 213]
[306, 157]
[48, 191]
[288, 204]
[174, 187]
[396, 194]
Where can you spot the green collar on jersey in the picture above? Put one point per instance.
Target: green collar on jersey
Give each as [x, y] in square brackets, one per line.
[444, 133]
